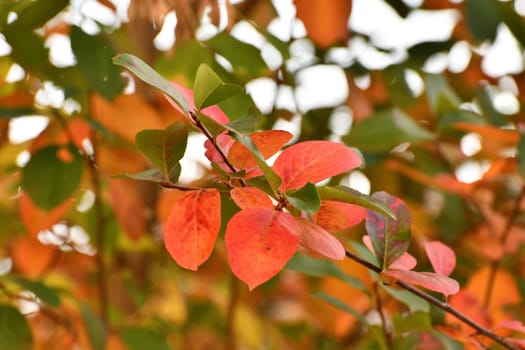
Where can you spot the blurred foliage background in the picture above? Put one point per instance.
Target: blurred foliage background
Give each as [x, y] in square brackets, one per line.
[429, 91]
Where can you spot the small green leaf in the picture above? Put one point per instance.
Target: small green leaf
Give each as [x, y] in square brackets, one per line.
[209, 89]
[321, 268]
[349, 195]
[341, 306]
[48, 179]
[306, 198]
[15, 333]
[95, 328]
[151, 175]
[93, 54]
[384, 130]
[147, 74]
[164, 148]
[413, 302]
[140, 338]
[46, 294]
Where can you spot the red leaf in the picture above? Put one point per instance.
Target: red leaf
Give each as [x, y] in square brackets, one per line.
[429, 280]
[268, 142]
[313, 161]
[214, 112]
[404, 262]
[338, 216]
[513, 325]
[442, 258]
[192, 227]
[225, 142]
[259, 242]
[250, 197]
[318, 240]
[125, 198]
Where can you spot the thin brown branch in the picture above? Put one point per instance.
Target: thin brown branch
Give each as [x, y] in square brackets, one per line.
[440, 304]
[494, 266]
[384, 324]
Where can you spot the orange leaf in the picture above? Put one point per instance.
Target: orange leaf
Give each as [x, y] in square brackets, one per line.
[30, 257]
[313, 161]
[318, 240]
[338, 216]
[192, 227]
[128, 206]
[250, 197]
[268, 142]
[429, 280]
[471, 307]
[326, 22]
[36, 219]
[441, 256]
[259, 242]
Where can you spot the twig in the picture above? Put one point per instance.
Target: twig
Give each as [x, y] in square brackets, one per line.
[502, 241]
[229, 339]
[379, 307]
[440, 304]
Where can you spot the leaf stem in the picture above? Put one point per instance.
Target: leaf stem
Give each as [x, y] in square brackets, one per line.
[440, 304]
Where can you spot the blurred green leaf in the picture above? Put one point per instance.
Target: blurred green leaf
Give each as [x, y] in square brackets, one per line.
[209, 89]
[95, 328]
[384, 130]
[441, 96]
[151, 175]
[341, 306]
[248, 124]
[306, 198]
[147, 74]
[94, 54]
[185, 58]
[15, 333]
[415, 321]
[34, 14]
[321, 268]
[413, 302]
[43, 292]
[349, 195]
[48, 179]
[15, 112]
[485, 102]
[482, 17]
[140, 338]
[164, 148]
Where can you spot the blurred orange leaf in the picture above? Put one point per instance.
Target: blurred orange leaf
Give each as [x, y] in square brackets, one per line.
[30, 257]
[129, 207]
[36, 219]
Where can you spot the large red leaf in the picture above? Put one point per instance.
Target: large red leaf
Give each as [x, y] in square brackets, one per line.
[338, 216]
[441, 256]
[315, 238]
[268, 142]
[214, 112]
[390, 238]
[429, 280]
[313, 161]
[250, 197]
[259, 242]
[192, 227]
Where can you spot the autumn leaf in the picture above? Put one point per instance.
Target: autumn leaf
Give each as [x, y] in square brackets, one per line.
[250, 197]
[429, 280]
[268, 142]
[313, 161]
[129, 207]
[260, 241]
[36, 219]
[441, 256]
[192, 227]
[390, 238]
[404, 262]
[338, 216]
[316, 239]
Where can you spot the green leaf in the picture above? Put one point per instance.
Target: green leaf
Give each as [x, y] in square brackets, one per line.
[321, 268]
[151, 175]
[482, 18]
[413, 302]
[415, 321]
[485, 102]
[95, 328]
[6, 112]
[48, 179]
[341, 306]
[349, 195]
[306, 198]
[441, 96]
[15, 333]
[248, 123]
[140, 338]
[384, 130]
[521, 156]
[164, 148]
[209, 89]
[213, 126]
[34, 14]
[93, 54]
[46, 294]
[144, 72]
